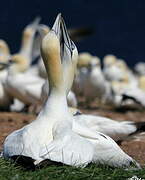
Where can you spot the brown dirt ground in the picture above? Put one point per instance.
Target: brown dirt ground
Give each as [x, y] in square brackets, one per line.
[134, 147]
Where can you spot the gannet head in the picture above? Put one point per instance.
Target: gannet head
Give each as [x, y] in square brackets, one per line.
[109, 60]
[95, 61]
[18, 63]
[84, 59]
[30, 28]
[60, 55]
[4, 49]
[121, 64]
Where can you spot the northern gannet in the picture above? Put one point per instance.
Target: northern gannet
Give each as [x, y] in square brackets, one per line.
[21, 84]
[92, 80]
[28, 39]
[111, 69]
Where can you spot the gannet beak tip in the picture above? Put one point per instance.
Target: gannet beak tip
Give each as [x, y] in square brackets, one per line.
[56, 25]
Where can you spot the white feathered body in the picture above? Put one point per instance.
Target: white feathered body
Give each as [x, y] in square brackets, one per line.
[24, 86]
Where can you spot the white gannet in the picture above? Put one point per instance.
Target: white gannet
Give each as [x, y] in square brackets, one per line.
[42, 31]
[84, 59]
[55, 134]
[28, 39]
[21, 84]
[111, 70]
[94, 82]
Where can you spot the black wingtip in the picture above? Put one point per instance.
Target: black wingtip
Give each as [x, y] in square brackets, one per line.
[140, 126]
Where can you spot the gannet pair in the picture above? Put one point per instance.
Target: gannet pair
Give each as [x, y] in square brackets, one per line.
[71, 98]
[55, 134]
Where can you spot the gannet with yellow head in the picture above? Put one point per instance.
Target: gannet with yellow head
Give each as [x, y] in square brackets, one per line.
[110, 68]
[20, 83]
[28, 39]
[94, 83]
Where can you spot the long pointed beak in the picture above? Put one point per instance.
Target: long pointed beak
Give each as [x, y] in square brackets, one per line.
[65, 37]
[56, 26]
[66, 44]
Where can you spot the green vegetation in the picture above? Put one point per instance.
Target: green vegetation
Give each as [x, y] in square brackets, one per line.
[9, 171]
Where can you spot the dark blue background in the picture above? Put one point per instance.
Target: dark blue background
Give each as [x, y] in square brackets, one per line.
[119, 24]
